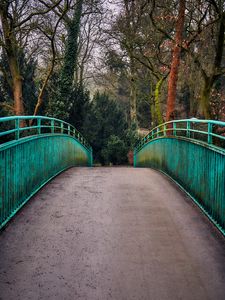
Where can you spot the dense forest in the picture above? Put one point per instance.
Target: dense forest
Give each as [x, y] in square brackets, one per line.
[113, 68]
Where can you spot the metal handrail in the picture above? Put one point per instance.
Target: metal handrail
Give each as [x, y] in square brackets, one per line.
[170, 129]
[55, 124]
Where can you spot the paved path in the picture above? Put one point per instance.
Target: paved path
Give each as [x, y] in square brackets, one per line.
[111, 233]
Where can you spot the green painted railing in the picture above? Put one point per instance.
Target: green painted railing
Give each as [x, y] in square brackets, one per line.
[32, 151]
[192, 153]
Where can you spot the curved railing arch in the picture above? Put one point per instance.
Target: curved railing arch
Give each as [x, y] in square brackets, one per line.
[33, 150]
[192, 153]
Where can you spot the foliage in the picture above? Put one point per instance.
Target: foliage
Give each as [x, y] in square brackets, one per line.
[69, 63]
[27, 70]
[105, 125]
[115, 151]
[80, 102]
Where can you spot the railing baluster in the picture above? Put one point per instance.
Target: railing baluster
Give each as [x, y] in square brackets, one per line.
[164, 129]
[61, 127]
[188, 129]
[174, 129]
[209, 133]
[52, 126]
[39, 125]
[17, 127]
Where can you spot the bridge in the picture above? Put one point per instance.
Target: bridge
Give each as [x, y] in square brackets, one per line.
[155, 231]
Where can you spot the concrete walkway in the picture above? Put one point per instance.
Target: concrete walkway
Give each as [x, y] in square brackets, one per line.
[111, 233]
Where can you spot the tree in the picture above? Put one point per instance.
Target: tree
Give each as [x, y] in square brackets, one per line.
[18, 19]
[172, 83]
[104, 119]
[11, 48]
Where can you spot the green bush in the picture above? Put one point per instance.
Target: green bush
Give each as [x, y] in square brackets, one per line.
[115, 151]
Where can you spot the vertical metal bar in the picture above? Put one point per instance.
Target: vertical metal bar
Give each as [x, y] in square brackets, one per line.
[209, 133]
[157, 130]
[52, 126]
[74, 132]
[164, 129]
[17, 127]
[61, 127]
[174, 129]
[91, 157]
[39, 125]
[68, 130]
[188, 129]
[134, 158]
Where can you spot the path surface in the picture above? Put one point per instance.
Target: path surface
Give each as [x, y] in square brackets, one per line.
[111, 233]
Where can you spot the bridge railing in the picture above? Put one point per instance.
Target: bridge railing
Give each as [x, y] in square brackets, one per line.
[17, 127]
[192, 153]
[33, 150]
[209, 131]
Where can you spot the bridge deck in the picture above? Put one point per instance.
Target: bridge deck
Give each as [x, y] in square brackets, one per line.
[111, 233]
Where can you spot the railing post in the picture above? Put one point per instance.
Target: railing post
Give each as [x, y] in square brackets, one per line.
[164, 129]
[188, 129]
[17, 127]
[68, 130]
[134, 158]
[74, 132]
[39, 125]
[61, 127]
[157, 132]
[52, 126]
[174, 129]
[209, 133]
[91, 153]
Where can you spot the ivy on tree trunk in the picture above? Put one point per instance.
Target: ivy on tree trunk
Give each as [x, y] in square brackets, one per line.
[69, 63]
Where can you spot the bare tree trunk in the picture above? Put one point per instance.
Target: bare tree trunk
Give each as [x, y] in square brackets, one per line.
[205, 98]
[157, 104]
[133, 101]
[41, 94]
[216, 73]
[11, 51]
[172, 84]
[133, 91]
[17, 86]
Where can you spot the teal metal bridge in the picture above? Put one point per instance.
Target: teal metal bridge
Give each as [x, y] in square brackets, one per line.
[192, 153]
[111, 233]
[33, 150]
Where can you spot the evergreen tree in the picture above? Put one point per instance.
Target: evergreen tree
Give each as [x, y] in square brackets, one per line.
[105, 118]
